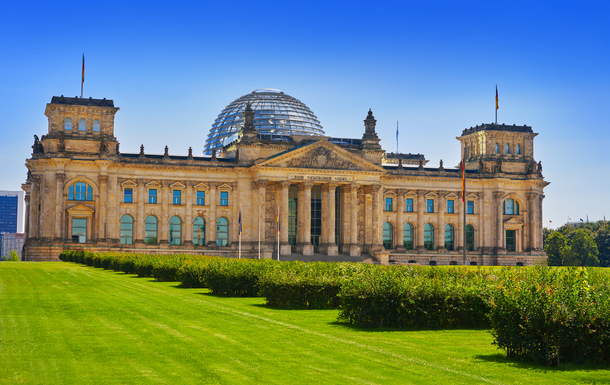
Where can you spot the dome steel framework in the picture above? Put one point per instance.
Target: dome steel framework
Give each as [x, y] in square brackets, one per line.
[274, 113]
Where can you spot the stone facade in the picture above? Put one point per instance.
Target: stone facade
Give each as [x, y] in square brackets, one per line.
[333, 196]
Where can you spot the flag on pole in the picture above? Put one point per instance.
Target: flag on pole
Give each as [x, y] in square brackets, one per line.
[397, 130]
[569, 219]
[550, 221]
[239, 221]
[581, 220]
[497, 97]
[278, 219]
[463, 180]
[83, 77]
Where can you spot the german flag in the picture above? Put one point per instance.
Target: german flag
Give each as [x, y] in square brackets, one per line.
[463, 180]
[497, 97]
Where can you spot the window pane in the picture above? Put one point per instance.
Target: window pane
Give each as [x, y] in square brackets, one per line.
[199, 231]
[128, 196]
[429, 236]
[175, 230]
[222, 232]
[150, 230]
[408, 236]
[152, 196]
[470, 207]
[449, 237]
[450, 207]
[387, 235]
[430, 205]
[177, 197]
[388, 204]
[126, 230]
[224, 198]
[68, 124]
[409, 205]
[82, 125]
[96, 126]
[79, 230]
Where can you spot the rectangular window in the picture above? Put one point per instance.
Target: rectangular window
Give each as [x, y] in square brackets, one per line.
[152, 196]
[224, 198]
[470, 207]
[450, 206]
[79, 230]
[200, 198]
[177, 197]
[128, 195]
[430, 205]
[511, 244]
[388, 204]
[409, 205]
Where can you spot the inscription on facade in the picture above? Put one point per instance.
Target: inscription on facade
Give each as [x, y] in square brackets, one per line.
[321, 178]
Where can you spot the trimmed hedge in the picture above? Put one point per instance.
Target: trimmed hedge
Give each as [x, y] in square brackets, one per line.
[550, 316]
[300, 285]
[405, 296]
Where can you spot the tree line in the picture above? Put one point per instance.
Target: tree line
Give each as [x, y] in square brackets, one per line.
[587, 244]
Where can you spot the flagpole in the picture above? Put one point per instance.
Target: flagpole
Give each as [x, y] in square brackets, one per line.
[83, 78]
[259, 231]
[239, 231]
[397, 136]
[278, 232]
[496, 104]
[464, 210]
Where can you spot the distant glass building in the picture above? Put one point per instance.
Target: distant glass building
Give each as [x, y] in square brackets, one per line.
[275, 113]
[11, 211]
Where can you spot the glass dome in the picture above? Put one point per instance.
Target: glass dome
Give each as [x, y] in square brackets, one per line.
[274, 113]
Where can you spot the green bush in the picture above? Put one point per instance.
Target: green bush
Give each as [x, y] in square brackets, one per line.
[405, 296]
[550, 316]
[235, 277]
[314, 285]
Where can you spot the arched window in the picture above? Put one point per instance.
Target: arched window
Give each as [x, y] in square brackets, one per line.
[518, 149]
[126, 230]
[388, 233]
[80, 191]
[96, 125]
[222, 232]
[199, 231]
[507, 148]
[82, 125]
[429, 236]
[449, 237]
[407, 236]
[497, 148]
[175, 230]
[68, 124]
[469, 238]
[150, 230]
[510, 207]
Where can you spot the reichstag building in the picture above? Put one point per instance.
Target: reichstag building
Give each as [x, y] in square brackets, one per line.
[268, 161]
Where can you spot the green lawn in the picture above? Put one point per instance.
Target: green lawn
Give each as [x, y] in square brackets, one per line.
[62, 323]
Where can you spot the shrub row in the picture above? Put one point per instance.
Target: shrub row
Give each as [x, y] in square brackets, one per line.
[551, 316]
[538, 314]
[405, 296]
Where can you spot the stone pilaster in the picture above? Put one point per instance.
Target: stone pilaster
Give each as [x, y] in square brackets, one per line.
[331, 246]
[140, 221]
[377, 244]
[285, 248]
[211, 227]
[355, 249]
[305, 247]
[188, 218]
[421, 210]
[399, 228]
[59, 207]
[101, 217]
[166, 200]
[499, 226]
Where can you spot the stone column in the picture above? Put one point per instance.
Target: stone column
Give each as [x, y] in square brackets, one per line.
[211, 227]
[166, 200]
[324, 230]
[461, 226]
[368, 219]
[537, 229]
[331, 247]
[140, 220]
[500, 247]
[27, 215]
[376, 218]
[285, 248]
[399, 228]
[440, 219]
[188, 218]
[528, 222]
[35, 183]
[59, 206]
[112, 207]
[101, 215]
[354, 249]
[300, 213]
[306, 246]
[421, 210]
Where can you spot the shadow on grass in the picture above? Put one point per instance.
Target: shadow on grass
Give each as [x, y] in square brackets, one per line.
[408, 329]
[500, 358]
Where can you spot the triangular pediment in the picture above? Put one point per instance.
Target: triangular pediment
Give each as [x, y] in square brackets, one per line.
[225, 186]
[411, 193]
[153, 184]
[431, 195]
[128, 183]
[80, 210]
[202, 186]
[451, 196]
[320, 155]
[177, 185]
[472, 196]
[513, 221]
[390, 193]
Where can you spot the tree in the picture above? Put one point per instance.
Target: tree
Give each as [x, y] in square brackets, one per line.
[602, 238]
[554, 247]
[13, 256]
[583, 251]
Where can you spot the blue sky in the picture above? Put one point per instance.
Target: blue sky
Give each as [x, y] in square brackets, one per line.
[431, 65]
